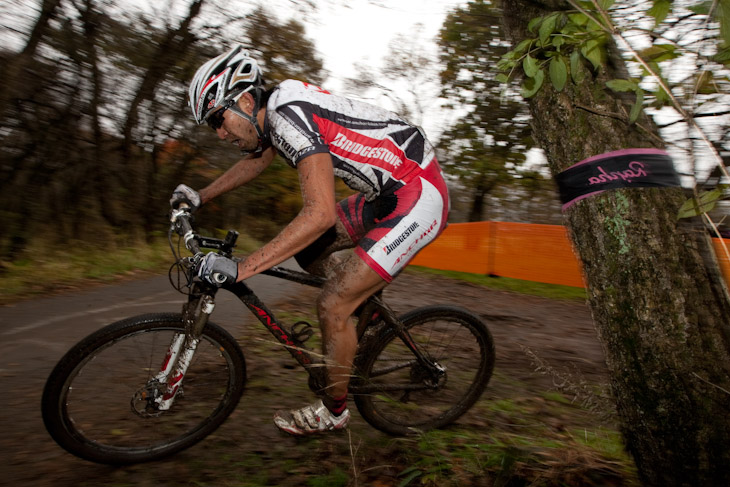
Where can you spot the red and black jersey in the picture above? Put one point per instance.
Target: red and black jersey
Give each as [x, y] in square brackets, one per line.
[374, 150]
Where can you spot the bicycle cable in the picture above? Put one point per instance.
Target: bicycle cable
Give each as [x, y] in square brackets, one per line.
[182, 266]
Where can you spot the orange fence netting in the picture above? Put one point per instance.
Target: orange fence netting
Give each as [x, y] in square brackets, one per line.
[531, 252]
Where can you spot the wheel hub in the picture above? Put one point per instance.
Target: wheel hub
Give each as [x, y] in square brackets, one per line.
[146, 400]
[434, 379]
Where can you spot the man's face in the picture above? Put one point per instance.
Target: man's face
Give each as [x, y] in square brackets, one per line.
[235, 129]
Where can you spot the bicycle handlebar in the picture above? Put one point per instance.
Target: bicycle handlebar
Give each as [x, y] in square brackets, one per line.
[181, 224]
[180, 218]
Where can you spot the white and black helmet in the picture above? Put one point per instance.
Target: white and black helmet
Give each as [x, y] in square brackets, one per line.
[222, 79]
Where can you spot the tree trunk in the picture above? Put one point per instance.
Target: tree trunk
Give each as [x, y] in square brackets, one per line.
[101, 176]
[168, 52]
[481, 189]
[659, 303]
[14, 77]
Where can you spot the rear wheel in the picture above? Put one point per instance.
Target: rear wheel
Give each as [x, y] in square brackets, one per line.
[397, 394]
[95, 401]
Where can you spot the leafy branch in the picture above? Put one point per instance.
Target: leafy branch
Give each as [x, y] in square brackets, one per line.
[565, 44]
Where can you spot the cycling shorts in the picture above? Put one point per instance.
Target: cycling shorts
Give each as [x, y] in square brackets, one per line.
[390, 230]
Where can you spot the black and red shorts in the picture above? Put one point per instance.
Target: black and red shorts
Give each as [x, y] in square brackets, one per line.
[390, 230]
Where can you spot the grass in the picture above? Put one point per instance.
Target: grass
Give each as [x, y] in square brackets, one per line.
[520, 447]
[551, 291]
[497, 443]
[75, 265]
[45, 268]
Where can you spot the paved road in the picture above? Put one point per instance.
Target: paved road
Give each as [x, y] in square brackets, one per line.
[35, 334]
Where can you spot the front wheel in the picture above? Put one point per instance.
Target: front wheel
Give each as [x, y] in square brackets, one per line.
[93, 401]
[398, 395]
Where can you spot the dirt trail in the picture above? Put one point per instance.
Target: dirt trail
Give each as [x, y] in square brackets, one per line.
[248, 447]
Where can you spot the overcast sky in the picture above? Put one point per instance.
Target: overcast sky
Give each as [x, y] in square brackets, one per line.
[361, 31]
[358, 32]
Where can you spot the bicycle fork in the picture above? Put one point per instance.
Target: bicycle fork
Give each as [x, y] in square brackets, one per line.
[166, 385]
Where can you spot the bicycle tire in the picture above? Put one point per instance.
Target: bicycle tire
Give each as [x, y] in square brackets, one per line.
[88, 401]
[454, 338]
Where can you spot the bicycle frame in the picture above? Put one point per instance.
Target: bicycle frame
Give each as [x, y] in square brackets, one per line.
[201, 303]
[399, 381]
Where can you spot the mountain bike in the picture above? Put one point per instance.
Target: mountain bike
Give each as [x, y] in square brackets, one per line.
[152, 385]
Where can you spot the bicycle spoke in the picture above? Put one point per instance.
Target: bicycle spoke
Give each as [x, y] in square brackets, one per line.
[398, 393]
[110, 383]
[99, 402]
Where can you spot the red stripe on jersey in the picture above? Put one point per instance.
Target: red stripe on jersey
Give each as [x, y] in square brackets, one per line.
[381, 153]
[373, 264]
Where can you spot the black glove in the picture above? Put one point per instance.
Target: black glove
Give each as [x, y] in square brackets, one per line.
[218, 270]
[185, 194]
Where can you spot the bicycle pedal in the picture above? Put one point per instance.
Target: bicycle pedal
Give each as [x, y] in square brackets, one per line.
[301, 331]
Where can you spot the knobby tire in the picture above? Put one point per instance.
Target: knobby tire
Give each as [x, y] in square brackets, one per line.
[87, 400]
[401, 399]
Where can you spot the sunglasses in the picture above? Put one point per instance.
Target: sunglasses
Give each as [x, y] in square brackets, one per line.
[215, 119]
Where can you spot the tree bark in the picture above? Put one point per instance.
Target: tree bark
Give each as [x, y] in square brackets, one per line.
[659, 303]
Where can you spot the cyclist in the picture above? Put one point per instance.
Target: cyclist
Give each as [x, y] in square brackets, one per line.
[401, 205]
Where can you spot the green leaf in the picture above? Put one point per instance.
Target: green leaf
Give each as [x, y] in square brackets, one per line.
[547, 28]
[577, 72]
[578, 19]
[697, 206]
[701, 8]
[722, 56]
[606, 4]
[661, 98]
[532, 85]
[638, 105]
[502, 78]
[659, 53]
[706, 83]
[530, 65]
[410, 478]
[660, 10]
[522, 47]
[622, 85]
[558, 72]
[593, 26]
[506, 64]
[723, 15]
[532, 25]
[593, 52]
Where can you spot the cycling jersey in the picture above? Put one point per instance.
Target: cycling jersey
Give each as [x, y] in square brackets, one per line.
[403, 203]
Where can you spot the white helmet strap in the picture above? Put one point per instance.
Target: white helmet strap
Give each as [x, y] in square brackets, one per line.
[251, 118]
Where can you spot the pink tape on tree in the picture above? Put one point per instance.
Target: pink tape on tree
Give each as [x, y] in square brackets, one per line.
[627, 168]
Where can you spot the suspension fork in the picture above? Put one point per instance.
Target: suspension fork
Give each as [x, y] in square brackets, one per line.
[196, 313]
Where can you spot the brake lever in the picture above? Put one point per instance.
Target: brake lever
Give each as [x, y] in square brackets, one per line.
[175, 214]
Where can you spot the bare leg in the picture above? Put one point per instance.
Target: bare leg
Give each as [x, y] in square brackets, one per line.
[346, 288]
[351, 283]
[321, 258]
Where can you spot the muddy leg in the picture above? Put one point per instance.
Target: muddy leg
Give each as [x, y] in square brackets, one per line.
[352, 282]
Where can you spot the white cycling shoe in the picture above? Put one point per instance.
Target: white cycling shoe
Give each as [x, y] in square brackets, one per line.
[312, 419]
